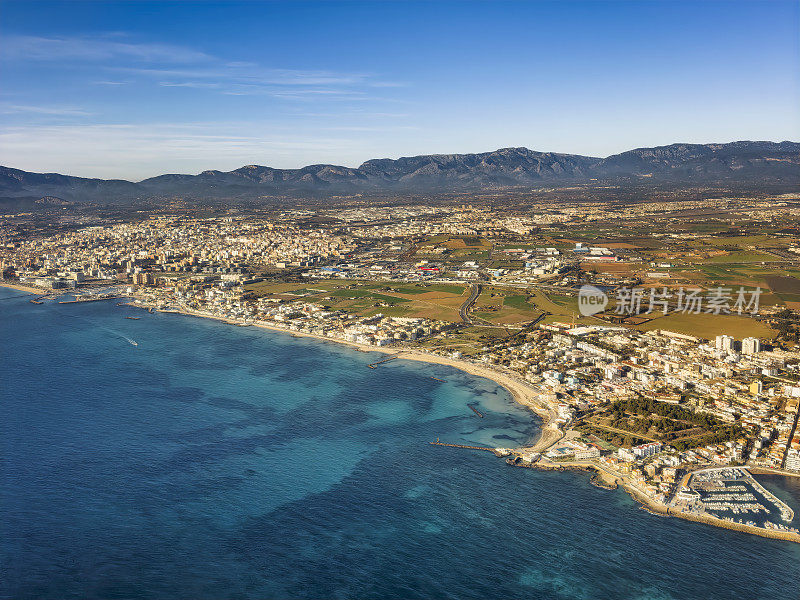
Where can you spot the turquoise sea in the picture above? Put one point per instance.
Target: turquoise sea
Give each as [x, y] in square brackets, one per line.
[212, 461]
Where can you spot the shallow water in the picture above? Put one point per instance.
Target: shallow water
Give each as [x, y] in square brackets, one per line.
[213, 461]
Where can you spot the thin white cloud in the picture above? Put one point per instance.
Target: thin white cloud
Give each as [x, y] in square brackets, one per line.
[43, 110]
[352, 114]
[190, 84]
[388, 84]
[144, 150]
[128, 62]
[25, 47]
[376, 129]
[253, 75]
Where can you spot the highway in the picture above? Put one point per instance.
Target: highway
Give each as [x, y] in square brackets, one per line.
[473, 296]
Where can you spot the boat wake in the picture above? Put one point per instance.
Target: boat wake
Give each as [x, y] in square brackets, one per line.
[113, 332]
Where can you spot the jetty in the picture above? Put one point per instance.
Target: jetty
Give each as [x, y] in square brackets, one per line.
[484, 448]
[380, 362]
[475, 410]
[84, 299]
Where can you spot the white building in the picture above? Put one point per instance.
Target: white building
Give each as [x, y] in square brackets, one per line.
[751, 345]
[724, 342]
[590, 452]
[793, 460]
[646, 449]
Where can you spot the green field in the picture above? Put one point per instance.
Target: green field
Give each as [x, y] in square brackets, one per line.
[741, 256]
[359, 293]
[445, 288]
[709, 326]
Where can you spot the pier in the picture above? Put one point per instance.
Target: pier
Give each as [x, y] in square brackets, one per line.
[475, 410]
[484, 448]
[380, 362]
[91, 299]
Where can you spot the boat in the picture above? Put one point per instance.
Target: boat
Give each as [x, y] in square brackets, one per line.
[34, 301]
[133, 318]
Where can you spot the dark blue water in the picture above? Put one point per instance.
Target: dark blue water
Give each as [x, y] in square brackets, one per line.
[213, 461]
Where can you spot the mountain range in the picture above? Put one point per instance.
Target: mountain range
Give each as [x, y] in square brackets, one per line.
[732, 164]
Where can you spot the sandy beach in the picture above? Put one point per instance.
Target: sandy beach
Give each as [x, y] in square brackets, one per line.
[522, 392]
[23, 288]
[529, 397]
[765, 471]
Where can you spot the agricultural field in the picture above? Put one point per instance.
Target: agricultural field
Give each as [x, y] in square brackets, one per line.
[709, 326]
[438, 301]
[741, 256]
[504, 306]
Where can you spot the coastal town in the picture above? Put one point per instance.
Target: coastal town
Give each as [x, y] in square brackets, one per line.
[679, 403]
[439, 300]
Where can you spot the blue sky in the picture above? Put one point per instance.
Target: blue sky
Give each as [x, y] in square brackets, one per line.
[134, 89]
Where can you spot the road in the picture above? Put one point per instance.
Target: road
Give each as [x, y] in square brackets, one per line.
[791, 436]
[473, 296]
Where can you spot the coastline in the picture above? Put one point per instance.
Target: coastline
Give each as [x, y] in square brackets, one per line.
[525, 395]
[521, 392]
[23, 288]
[604, 479]
[766, 471]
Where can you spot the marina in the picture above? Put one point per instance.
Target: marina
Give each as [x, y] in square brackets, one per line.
[733, 495]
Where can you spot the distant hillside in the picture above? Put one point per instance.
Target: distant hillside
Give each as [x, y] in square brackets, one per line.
[750, 163]
[15, 183]
[738, 161]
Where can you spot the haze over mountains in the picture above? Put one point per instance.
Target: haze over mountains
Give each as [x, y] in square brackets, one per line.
[738, 163]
